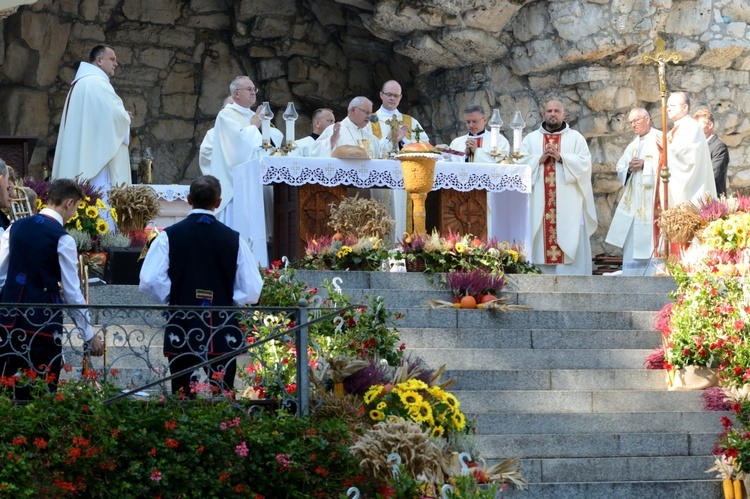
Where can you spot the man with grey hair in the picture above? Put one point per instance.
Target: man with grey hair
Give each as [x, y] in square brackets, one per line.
[4, 196]
[476, 143]
[632, 227]
[688, 156]
[350, 130]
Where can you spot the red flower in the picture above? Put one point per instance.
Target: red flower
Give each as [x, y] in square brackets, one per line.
[321, 471]
[726, 422]
[170, 425]
[224, 476]
[116, 432]
[40, 442]
[19, 440]
[152, 452]
[172, 443]
[200, 449]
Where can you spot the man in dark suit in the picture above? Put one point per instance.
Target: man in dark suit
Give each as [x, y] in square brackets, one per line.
[719, 150]
[200, 262]
[39, 264]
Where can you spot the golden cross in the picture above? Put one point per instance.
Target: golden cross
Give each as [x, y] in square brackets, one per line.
[661, 57]
[395, 124]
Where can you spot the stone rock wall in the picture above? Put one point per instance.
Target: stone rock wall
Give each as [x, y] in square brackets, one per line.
[178, 58]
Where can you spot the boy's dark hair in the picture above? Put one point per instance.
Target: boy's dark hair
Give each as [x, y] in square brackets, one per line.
[205, 192]
[62, 189]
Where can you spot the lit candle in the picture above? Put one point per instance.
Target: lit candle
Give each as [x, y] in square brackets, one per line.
[289, 132]
[494, 138]
[266, 130]
[517, 141]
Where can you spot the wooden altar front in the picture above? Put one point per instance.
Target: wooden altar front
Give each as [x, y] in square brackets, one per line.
[16, 151]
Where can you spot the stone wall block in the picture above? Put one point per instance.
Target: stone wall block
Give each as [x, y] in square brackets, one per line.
[218, 21]
[537, 56]
[269, 69]
[689, 17]
[491, 16]
[170, 159]
[218, 70]
[169, 130]
[45, 34]
[180, 105]
[249, 9]
[181, 78]
[149, 11]
[278, 94]
[593, 126]
[88, 31]
[133, 33]
[570, 17]
[26, 111]
[736, 11]
[155, 57]
[20, 63]
[207, 6]
[723, 53]
[473, 45]
[328, 13]
[531, 22]
[271, 26]
[392, 15]
[424, 48]
[88, 9]
[137, 105]
[298, 70]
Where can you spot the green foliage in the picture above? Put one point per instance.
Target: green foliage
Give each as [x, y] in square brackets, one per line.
[70, 444]
[344, 253]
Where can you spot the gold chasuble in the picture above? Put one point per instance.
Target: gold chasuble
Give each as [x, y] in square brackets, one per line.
[553, 255]
[376, 131]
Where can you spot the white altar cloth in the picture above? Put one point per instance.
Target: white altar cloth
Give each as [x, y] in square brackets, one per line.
[508, 187]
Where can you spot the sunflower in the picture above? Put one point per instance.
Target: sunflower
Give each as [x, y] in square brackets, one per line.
[422, 413]
[410, 398]
[92, 212]
[437, 431]
[381, 405]
[100, 204]
[82, 205]
[102, 227]
[372, 393]
[376, 415]
[459, 420]
[460, 247]
[345, 250]
[452, 401]
[113, 214]
[78, 224]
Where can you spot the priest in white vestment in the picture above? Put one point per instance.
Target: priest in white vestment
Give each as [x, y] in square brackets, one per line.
[688, 155]
[476, 143]
[95, 127]
[237, 139]
[562, 210]
[632, 227]
[350, 130]
[321, 119]
[395, 199]
[207, 146]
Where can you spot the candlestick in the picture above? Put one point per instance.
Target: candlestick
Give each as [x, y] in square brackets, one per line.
[265, 117]
[290, 117]
[495, 123]
[517, 125]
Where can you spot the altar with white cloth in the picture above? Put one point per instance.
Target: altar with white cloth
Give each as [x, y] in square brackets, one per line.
[508, 187]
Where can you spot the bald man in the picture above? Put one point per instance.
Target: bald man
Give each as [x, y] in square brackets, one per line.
[562, 211]
[390, 96]
[321, 119]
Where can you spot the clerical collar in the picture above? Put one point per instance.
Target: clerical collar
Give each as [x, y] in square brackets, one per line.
[388, 112]
[88, 69]
[477, 135]
[315, 135]
[559, 129]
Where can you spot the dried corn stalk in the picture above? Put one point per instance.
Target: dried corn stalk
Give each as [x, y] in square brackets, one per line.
[680, 222]
[361, 218]
[136, 205]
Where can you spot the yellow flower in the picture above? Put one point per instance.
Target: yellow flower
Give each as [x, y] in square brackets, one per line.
[729, 226]
[414, 384]
[460, 247]
[39, 204]
[452, 401]
[372, 393]
[92, 212]
[345, 250]
[376, 415]
[78, 224]
[100, 204]
[459, 420]
[514, 255]
[409, 398]
[102, 227]
[82, 205]
[113, 214]
[437, 431]
[381, 406]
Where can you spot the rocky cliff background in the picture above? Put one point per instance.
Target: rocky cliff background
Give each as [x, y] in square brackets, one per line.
[177, 59]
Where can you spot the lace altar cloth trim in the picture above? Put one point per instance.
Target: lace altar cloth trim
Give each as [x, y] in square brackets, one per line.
[387, 173]
[171, 193]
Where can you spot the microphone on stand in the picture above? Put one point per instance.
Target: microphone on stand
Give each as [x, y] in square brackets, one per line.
[374, 118]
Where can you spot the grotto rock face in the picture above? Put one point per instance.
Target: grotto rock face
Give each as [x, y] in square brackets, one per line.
[177, 59]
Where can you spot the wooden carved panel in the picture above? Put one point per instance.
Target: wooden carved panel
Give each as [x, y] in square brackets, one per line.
[463, 212]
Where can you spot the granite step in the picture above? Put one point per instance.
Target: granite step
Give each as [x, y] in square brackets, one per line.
[620, 469]
[491, 359]
[596, 445]
[667, 489]
[557, 379]
[585, 339]
[475, 402]
[497, 423]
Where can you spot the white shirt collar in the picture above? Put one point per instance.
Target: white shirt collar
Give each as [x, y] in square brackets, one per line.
[52, 214]
[389, 113]
[244, 110]
[201, 211]
[88, 69]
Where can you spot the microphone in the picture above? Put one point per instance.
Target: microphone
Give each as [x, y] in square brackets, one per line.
[374, 118]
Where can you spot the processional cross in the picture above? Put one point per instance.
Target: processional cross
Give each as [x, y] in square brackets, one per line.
[394, 125]
[661, 57]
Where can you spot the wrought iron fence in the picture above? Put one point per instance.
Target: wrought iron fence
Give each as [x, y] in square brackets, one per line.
[135, 338]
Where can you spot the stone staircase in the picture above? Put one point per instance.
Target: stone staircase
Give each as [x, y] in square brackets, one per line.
[562, 386]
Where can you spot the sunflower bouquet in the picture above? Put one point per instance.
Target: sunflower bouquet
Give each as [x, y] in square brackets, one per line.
[430, 406]
[89, 221]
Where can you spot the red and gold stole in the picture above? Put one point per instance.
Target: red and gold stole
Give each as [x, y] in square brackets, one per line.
[553, 255]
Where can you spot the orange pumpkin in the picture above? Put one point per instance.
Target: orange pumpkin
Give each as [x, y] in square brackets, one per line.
[487, 298]
[468, 302]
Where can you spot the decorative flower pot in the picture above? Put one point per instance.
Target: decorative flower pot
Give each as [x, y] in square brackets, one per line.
[694, 378]
[416, 265]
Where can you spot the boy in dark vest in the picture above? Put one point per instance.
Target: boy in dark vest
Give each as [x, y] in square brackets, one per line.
[39, 264]
[200, 262]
